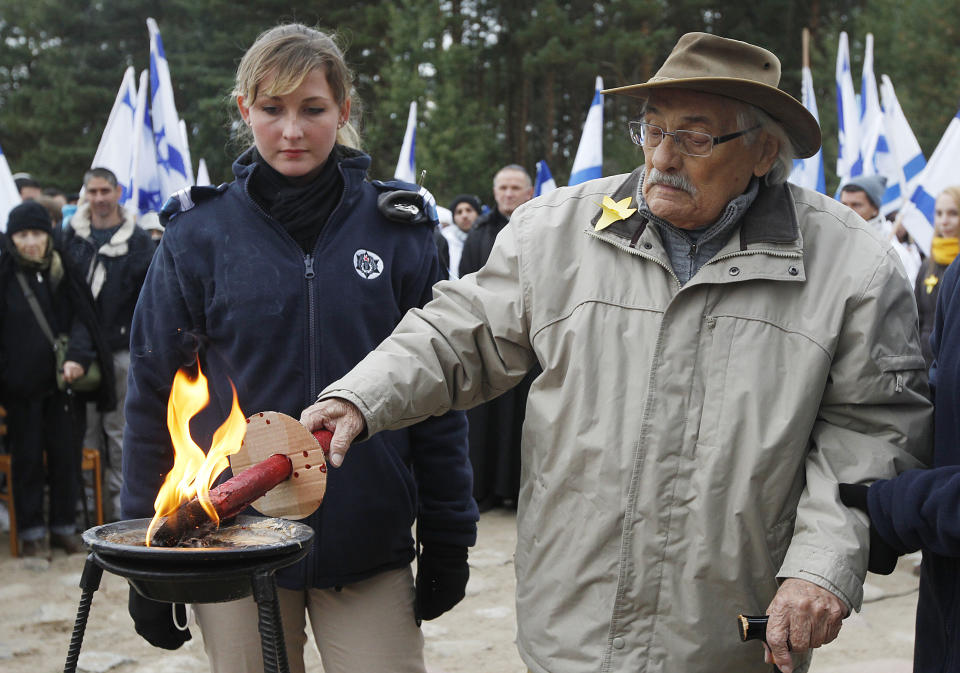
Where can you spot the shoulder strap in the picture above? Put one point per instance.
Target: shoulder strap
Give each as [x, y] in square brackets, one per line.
[35, 307]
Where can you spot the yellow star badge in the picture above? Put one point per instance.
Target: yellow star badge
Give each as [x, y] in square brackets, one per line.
[614, 211]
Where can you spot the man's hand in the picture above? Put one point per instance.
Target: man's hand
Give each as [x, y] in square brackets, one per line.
[338, 416]
[72, 371]
[803, 616]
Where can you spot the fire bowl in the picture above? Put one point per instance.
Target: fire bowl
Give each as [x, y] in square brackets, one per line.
[219, 570]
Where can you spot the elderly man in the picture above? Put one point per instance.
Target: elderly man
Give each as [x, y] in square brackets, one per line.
[719, 350]
[512, 188]
[495, 427]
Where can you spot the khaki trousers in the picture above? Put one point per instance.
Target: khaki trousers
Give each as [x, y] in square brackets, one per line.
[366, 627]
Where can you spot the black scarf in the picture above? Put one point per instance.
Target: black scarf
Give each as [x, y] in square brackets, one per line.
[304, 209]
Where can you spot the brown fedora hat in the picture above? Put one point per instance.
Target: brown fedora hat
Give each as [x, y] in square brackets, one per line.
[738, 70]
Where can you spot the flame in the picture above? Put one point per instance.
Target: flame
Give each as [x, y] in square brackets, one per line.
[193, 471]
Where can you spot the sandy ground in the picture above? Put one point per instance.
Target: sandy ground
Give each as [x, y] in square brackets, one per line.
[39, 600]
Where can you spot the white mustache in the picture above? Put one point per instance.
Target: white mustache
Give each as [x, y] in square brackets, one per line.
[674, 180]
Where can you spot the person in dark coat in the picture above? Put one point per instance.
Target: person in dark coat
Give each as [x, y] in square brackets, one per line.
[495, 426]
[920, 509]
[943, 250]
[464, 209]
[42, 418]
[113, 253]
[280, 282]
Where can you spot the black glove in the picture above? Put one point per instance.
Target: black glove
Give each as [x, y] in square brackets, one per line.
[442, 574]
[883, 557]
[154, 621]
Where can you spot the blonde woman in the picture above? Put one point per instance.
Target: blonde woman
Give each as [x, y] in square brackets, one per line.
[946, 230]
[282, 280]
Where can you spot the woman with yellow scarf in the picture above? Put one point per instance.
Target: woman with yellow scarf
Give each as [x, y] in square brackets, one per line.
[946, 229]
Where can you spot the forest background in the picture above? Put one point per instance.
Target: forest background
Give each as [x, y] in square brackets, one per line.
[496, 81]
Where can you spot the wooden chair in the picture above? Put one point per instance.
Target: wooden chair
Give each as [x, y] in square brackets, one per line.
[6, 468]
[90, 460]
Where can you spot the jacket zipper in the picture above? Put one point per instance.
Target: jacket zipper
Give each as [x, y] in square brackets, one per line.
[309, 566]
[638, 253]
[309, 275]
[766, 251]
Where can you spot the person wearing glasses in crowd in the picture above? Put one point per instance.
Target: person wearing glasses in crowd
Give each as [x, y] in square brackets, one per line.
[719, 349]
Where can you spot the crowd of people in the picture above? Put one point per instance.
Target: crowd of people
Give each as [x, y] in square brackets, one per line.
[684, 379]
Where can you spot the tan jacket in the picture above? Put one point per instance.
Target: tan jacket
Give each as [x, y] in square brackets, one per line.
[682, 447]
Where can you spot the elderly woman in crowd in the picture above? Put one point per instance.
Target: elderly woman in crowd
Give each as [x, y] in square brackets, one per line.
[43, 296]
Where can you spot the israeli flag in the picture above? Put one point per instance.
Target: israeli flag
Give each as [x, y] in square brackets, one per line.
[172, 154]
[146, 175]
[9, 195]
[849, 163]
[940, 172]
[901, 158]
[544, 184]
[871, 116]
[588, 163]
[406, 164]
[115, 150]
[809, 172]
[203, 177]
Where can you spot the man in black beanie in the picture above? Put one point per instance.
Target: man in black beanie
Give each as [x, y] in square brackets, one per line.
[465, 209]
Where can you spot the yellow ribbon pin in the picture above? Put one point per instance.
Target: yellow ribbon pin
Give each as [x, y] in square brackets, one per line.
[930, 281]
[614, 211]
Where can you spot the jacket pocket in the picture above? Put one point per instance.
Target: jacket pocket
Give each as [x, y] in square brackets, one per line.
[714, 357]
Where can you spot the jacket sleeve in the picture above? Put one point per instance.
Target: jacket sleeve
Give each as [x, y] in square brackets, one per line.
[81, 349]
[468, 345]
[874, 422]
[918, 510]
[161, 336]
[83, 342]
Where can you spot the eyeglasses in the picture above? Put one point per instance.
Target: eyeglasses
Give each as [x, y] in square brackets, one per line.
[692, 143]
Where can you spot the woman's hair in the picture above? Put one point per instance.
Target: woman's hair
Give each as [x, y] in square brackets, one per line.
[289, 53]
[953, 191]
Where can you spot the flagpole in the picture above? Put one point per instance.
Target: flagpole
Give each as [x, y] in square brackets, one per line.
[805, 37]
[808, 172]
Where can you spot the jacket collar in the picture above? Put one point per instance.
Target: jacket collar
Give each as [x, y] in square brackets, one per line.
[353, 163]
[117, 246]
[771, 218]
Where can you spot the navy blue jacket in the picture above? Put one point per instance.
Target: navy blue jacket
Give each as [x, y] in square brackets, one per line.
[920, 509]
[230, 283]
